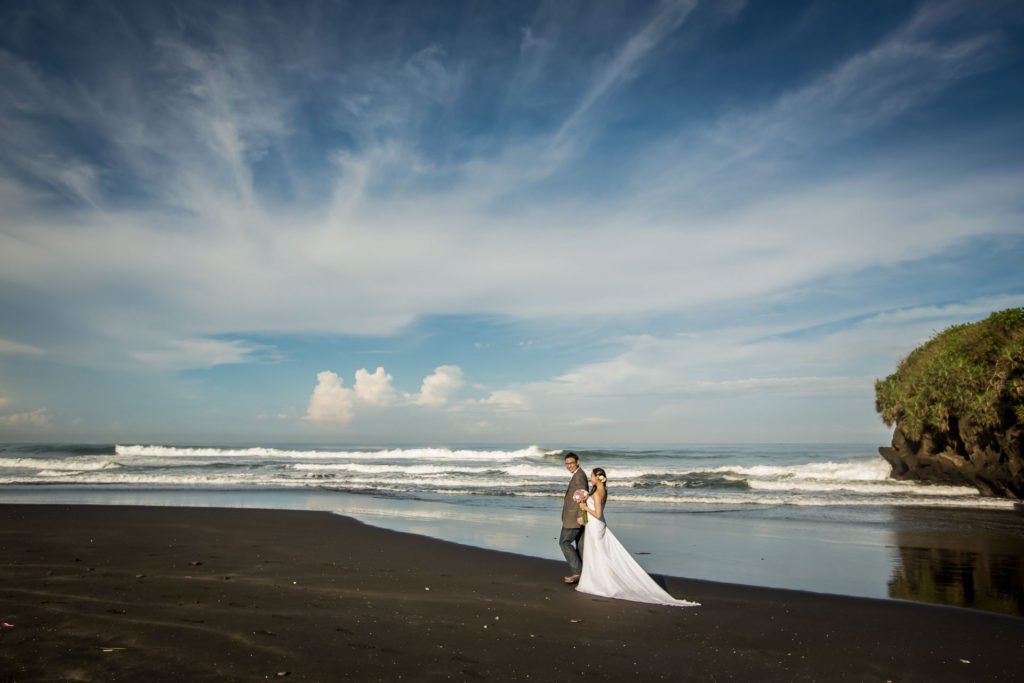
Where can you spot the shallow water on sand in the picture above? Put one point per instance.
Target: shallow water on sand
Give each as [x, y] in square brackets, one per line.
[961, 557]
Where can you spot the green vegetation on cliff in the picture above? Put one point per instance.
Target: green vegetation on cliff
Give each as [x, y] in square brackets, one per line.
[972, 372]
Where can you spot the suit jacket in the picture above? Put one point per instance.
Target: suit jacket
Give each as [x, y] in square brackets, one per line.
[570, 508]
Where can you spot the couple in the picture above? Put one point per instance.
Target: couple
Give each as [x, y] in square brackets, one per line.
[606, 568]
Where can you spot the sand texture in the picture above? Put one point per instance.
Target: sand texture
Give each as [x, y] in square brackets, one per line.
[196, 594]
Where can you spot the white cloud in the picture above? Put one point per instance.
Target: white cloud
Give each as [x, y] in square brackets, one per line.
[785, 386]
[185, 354]
[440, 387]
[333, 402]
[261, 266]
[611, 375]
[903, 71]
[622, 67]
[966, 310]
[14, 348]
[724, 365]
[330, 402]
[764, 366]
[591, 422]
[380, 232]
[3, 401]
[37, 419]
[287, 282]
[504, 399]
[374, 389]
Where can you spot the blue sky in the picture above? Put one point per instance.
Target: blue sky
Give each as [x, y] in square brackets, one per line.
[554, 223]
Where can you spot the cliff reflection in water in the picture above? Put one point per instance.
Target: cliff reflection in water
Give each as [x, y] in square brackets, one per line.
[975, 561]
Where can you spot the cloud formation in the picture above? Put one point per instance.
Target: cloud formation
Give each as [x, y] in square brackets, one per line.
[15, 349]
[214, 251]
[903, 71]
[188, 188]
[35, 420]
[374, 389]
[185, 354]
[504, 399]
[330, 402]
[440, 387]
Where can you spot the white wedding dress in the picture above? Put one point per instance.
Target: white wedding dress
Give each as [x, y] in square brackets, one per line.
[611, 572]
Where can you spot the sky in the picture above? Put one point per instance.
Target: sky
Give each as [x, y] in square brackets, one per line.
[550, 223]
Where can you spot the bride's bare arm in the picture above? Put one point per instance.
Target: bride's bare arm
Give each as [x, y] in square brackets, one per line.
[599, 498]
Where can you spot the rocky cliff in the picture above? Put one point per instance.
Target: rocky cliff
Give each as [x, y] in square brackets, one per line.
[990, 460]
[957, 403]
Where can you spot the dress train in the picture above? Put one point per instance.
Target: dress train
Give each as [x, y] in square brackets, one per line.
[610, 571]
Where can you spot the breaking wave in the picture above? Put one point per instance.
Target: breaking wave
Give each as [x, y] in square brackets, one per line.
[711, 476]
[392, 454]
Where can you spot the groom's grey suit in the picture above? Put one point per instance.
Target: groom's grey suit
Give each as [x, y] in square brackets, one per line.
[572, 531]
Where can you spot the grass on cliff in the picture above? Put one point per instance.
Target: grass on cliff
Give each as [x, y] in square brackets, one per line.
[972, 372]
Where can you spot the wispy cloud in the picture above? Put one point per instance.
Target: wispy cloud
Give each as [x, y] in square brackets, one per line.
[35, 420]
[18, 349]
[504, 399]
[738, 362]
[786, 386]
[942, 315]
[904, 71]
[186, 354]
[211, 177]
[666, 18]
[218, 257]
[592, 422]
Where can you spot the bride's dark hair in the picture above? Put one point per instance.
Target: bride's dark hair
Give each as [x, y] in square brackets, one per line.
[600, 475]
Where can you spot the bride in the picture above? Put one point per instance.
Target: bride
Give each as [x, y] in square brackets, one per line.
[608, 568]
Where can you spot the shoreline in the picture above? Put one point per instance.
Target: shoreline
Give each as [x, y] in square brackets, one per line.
[240, 594]
[972, 559]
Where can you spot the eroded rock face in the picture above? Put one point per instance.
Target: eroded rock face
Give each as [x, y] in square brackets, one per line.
[990, 460]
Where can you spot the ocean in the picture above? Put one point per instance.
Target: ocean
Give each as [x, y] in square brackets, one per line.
[820, 517]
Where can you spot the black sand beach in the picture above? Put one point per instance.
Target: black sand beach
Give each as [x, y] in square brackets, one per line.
[170, 594]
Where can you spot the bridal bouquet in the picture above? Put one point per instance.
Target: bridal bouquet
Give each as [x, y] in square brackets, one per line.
[580, 496]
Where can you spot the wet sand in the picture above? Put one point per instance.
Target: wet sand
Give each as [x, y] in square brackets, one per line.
[157, 593]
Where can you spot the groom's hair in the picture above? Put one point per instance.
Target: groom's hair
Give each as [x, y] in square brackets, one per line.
[573, 456]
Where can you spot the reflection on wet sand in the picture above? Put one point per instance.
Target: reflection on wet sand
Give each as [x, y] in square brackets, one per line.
[967, 558]
[981, 567]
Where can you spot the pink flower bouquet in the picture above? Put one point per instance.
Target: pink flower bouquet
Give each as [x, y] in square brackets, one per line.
[580, 496]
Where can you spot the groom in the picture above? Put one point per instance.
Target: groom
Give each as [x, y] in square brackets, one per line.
[572, 530]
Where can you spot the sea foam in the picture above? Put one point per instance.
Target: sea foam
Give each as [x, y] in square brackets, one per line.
[386, 454]
[690, 476]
